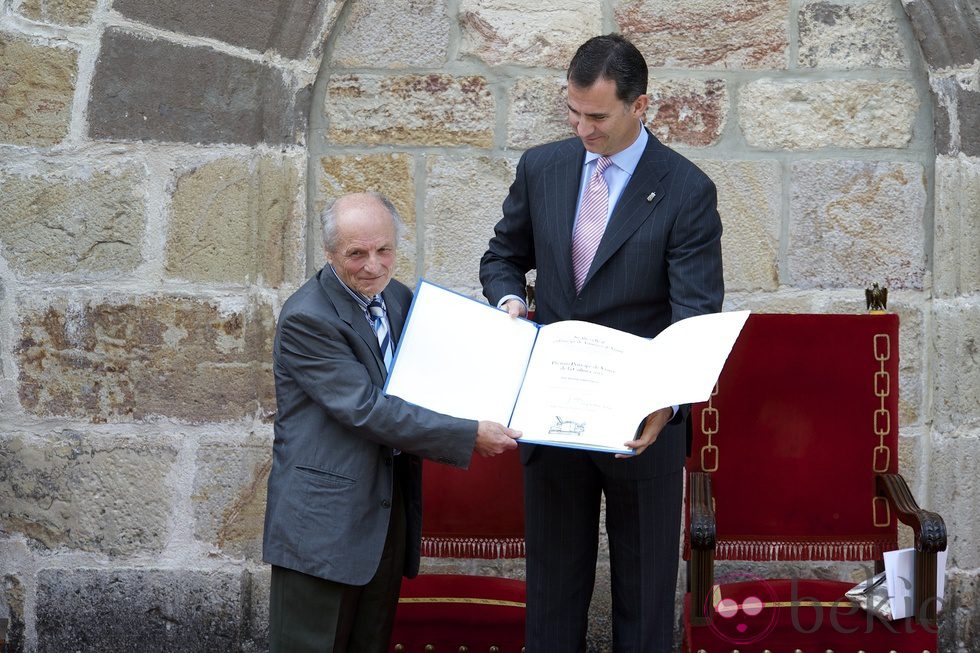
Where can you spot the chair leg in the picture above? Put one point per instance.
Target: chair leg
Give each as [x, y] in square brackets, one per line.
[701, 579]
[925, 588]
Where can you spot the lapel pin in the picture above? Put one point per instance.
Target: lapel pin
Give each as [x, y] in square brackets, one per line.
[651, 196]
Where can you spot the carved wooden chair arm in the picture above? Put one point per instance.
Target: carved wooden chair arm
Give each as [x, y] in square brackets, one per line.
[702, 511]
[929, 527]
[930, 538]
[701, 573]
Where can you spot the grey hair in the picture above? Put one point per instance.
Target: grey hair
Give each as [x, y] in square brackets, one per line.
[328, 219]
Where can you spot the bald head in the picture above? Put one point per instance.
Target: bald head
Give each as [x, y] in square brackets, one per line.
[354, 201]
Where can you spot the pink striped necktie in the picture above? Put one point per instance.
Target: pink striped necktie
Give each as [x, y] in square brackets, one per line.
[591, 222]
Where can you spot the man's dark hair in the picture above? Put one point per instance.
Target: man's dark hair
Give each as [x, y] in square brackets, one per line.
[614, 58]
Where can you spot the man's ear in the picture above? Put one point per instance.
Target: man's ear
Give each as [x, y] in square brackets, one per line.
[641, 104]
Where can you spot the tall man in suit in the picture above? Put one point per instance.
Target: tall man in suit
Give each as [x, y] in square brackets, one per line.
[634, 246]
[343, 519]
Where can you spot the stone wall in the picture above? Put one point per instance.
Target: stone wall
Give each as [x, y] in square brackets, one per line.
[161, 165]
[153, 166]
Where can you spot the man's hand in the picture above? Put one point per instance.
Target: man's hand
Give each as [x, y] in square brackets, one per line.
[493, 438]
[515, 308]
[655, 423]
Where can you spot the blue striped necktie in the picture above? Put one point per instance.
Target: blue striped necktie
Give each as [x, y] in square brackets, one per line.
[377, 311]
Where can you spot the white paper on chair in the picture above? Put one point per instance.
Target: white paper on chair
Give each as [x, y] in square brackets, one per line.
[900, 578]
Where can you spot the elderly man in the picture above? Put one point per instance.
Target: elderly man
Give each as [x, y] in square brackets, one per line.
[343, 520]
[623, 232]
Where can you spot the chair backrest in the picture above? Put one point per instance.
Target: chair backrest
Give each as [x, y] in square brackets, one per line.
[804, 415]
[474, 513]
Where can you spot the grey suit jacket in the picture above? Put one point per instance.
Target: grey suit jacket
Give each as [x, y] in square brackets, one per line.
[659, 260]
[330, 488]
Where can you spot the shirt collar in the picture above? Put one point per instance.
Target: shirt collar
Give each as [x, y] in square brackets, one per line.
[627, 159]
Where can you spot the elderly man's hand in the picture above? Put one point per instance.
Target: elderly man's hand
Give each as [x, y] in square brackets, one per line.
[493, 438]
[651, 431]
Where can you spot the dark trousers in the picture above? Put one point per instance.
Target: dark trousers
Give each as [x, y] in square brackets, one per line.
[563, 489]
[314, 615]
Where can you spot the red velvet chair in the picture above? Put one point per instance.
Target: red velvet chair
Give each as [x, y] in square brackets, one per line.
[795, 457]
[478, 513]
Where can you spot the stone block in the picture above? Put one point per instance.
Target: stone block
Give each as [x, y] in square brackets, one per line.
[37, 86]
[849, 35]
[238, 221]
[88, 492]
[228, 497]
[959, 621]
[13, 592]
[784, 301]
[288, 27]
[913, 346]
[750, 204]
[956, 264]
[390, 174]
[462, 204]
[259, 581]
[84, 222]
[855, 222]
[956, 113]
[910, 459]
[154, 90]
[689, 112]
[428, 110]
[954, 492]
[798, 115]
[365, 40]
[948, 31]
[59, 12]
[146, 610]
[124, 358]
[537, 112]
[707, 33]
[545, 34]
[956, 347]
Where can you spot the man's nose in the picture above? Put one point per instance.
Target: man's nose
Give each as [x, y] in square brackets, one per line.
[373, 262]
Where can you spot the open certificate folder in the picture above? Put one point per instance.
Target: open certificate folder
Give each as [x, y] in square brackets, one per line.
[572, 384]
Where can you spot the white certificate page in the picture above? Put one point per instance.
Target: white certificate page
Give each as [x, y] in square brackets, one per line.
[460, 357]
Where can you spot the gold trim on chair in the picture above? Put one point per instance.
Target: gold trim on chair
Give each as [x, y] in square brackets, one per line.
[881, 458]
[710, 414]
[460, 599]
[879, 522]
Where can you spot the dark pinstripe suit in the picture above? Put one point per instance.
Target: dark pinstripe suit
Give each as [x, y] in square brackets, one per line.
[659, 261]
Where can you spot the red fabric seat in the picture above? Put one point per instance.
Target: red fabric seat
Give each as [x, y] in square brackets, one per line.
[449, 611]
[476, 513]
[795, 457]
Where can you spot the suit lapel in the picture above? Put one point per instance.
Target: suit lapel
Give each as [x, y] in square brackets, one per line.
[633, 207]
[397, 314]
[565, 176]
[351, 313]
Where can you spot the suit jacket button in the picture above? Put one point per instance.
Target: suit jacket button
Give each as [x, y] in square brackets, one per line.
[386, 504]
[388, 461]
